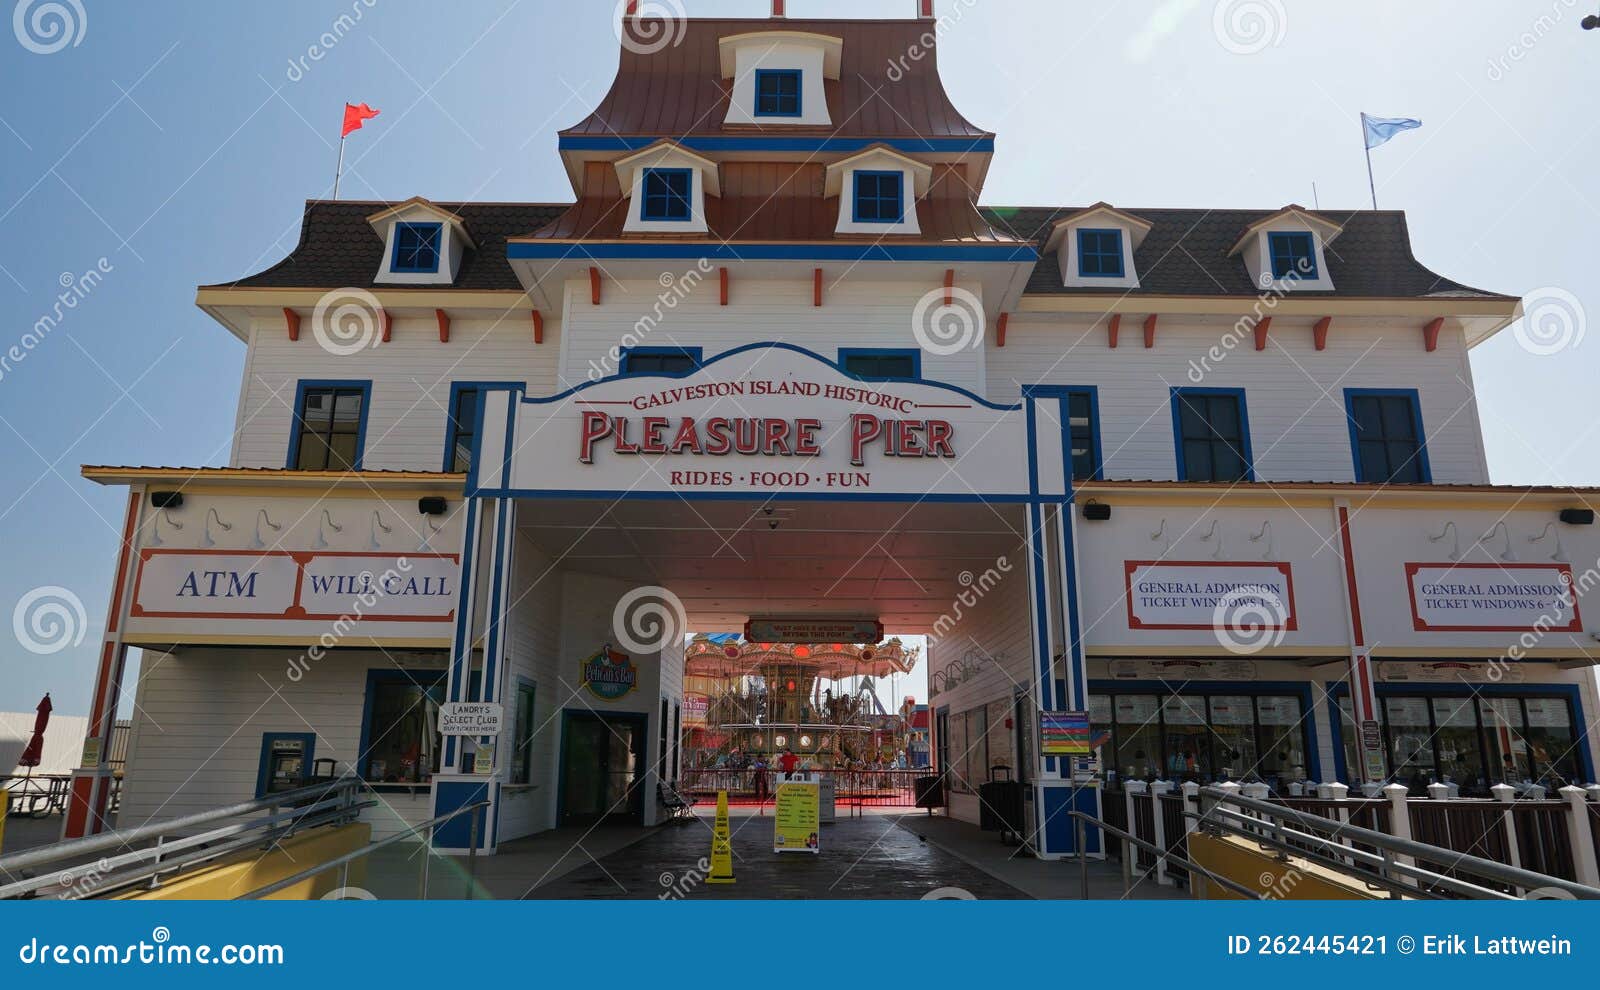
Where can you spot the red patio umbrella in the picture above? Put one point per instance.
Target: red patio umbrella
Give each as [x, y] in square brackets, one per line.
[33, 755]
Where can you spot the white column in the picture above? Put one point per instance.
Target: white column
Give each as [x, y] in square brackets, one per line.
[1581, 834]
[1399, 818]
[1191, 802]
[1506, 794]
[1158, 788]
[1438, 792]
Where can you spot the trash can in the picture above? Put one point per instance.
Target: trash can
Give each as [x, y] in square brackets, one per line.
[928, 792]
[1000, 806]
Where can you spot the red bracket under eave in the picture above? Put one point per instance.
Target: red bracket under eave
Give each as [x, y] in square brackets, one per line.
[723, 276]
[1263, 325]
[925, 7]
[594, 285]
[1319, 333]
[538, 327]
[1113, 329]
[1000, 329]
[1150, 331]
[291, 319]
[444, 325]
[950, 287]
[388, 325]
[816, 288]
[1430, 334]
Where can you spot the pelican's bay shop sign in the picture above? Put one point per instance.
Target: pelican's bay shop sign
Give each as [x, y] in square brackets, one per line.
[790, 375]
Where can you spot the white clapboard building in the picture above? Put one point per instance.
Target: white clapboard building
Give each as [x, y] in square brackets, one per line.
[1214, 477]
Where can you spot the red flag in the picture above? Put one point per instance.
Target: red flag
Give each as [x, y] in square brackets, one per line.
[353, 116]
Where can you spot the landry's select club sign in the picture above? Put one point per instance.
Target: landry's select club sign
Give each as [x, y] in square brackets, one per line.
[771, 419]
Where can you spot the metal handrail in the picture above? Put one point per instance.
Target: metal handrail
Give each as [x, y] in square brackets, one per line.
[1085, 819]
[1486, 869]
[173, 850]
[367, 850]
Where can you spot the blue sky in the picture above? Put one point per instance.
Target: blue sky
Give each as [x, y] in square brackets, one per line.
[175, 142]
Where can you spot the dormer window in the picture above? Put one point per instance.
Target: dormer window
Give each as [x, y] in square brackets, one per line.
[880, 197]
[778, 93]
[1094, 247]
[1294, 254]
[416, 248]
[668, 195]
[1100, 253]
[423, 244]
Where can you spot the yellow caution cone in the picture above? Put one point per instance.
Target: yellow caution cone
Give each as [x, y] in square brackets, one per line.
[721, 844]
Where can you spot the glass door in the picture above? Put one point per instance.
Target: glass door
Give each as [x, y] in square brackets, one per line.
[602, 760]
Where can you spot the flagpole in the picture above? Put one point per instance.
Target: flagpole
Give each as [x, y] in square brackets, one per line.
[1371, 183]
[338, 169]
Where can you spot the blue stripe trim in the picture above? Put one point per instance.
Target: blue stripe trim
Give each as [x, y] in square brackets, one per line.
[464, 613]
[713, 251]
[778, 345]
[763, 496]
[491, 646]
[754, 143]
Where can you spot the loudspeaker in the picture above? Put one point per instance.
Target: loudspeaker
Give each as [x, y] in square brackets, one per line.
[1578, 517]
[433, 505]
[167, 500]
[1096, 511]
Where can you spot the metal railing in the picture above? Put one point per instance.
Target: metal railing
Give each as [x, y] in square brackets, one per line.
[344, 861]
[1402, 867]
[1129, 842]
[43, 795]
[152, 854]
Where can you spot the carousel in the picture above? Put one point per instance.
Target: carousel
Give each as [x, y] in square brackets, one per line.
[748, 701]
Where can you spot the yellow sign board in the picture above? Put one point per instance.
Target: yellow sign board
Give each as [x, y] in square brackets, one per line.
[721, 844]
[796, 817]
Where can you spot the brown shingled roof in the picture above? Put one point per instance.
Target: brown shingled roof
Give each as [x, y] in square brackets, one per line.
[679, 91]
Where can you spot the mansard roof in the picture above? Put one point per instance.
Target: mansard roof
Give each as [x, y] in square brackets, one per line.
[882, 93]
[1185, 254]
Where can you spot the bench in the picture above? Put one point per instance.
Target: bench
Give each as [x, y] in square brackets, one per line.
[679, 808]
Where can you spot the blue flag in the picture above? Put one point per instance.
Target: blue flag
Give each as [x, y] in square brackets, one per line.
[1381, 129]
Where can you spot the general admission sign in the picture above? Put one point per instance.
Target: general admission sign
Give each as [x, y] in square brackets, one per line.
[771, 419]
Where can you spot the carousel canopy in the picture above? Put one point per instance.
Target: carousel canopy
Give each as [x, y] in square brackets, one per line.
[715, 656]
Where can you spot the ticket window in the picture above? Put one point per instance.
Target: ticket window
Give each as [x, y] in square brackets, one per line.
[285, 762]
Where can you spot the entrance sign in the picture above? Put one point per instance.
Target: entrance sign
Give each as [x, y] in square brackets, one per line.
[283, 584]
[806, 629]
[1182, 670]
[1484, 597]
[1196, 595]
[1064, 734]
[1450, 672]
[608, 674]
[796, 816]
[767, 419]
[470, 718]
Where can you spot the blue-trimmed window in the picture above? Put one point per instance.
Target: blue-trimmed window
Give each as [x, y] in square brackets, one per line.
[667, 195]
[880, 197]
[416, 248]
[400, 741]
[461, 421]
[1083, 427]
[1386, 436]
[879, 364]
[1294, 254]
[330, 426]
[659, 360]
[1212, 434]
[1100, 253]
[778, 93]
